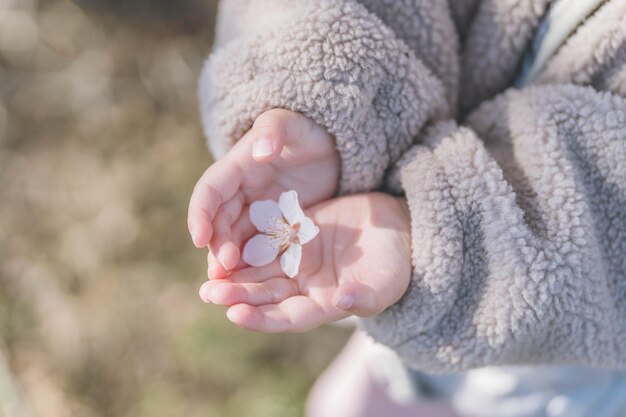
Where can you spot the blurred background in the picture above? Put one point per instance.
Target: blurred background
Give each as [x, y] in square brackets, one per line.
[100, 145]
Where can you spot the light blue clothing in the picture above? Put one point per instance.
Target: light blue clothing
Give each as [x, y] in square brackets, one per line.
[528, 392]
[562, 19]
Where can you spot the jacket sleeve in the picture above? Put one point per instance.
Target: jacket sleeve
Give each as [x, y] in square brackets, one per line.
[332, 60]
[519, 237]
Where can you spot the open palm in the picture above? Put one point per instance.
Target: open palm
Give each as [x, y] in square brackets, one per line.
[283, 151]
[359, 264]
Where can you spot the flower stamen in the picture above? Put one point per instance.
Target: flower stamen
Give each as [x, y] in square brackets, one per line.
[284, 229]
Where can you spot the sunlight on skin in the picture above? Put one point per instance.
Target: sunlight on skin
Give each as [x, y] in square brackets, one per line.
[338, 275]
[283, 151]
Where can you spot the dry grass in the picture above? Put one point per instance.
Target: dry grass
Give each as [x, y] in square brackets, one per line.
[100, 145]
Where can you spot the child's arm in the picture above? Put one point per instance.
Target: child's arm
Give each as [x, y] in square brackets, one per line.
[351, 96]
[331, 60]
[519, 239]
[283, 151]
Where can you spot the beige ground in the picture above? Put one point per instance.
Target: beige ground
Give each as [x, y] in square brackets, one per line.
[99, 148]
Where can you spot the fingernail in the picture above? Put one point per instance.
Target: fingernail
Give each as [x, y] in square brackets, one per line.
[263, 147]
[194, 238]
[221, 257]
[345, 302]
[204, 294]
[230, 314]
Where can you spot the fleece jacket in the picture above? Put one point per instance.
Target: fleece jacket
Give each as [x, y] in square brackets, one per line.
[517, 196]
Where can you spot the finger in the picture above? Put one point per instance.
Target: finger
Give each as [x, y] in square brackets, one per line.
[227, 293]
[222, 243]
[218, 184]
[251, 274]
[295, 314]
[232, 241]
[273, 130]
[215, 270]
[242, 229]
[358, 299]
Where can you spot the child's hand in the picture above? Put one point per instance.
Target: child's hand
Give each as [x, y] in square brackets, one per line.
[359, 264]
[283, 151]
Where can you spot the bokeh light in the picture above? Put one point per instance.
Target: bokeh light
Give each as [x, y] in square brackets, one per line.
[100, 145]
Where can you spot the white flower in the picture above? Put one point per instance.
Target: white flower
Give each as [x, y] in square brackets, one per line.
[284, 229]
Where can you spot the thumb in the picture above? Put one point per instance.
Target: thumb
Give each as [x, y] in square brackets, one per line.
[275, 129]
[269, 133]
[358, 299]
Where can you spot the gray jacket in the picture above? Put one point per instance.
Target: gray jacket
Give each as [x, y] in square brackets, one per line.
[518, 213]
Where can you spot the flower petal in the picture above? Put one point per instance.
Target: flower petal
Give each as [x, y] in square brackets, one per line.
[290, 207]
[264, 214]
[259, 251]
[307, 231]
[290, 261]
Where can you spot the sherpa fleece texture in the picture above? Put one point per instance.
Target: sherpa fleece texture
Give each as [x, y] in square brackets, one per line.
[335, 62]
[519, 237]
[518, 216]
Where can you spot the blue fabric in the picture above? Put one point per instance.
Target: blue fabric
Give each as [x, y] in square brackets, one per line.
[529, 392]
[559, 23]
[531, 54]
